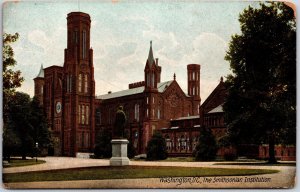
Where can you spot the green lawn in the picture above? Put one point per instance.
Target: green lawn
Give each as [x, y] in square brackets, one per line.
[128, 172]
[20, 162]
[258, 164]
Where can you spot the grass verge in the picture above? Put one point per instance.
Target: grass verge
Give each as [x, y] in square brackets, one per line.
[20, 162]
[127, 172]
[258, 164]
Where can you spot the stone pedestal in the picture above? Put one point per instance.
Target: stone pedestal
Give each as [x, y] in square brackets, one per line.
[119, 152]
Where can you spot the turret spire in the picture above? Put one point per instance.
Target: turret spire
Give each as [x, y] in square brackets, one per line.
[150, 59]
[41, 73]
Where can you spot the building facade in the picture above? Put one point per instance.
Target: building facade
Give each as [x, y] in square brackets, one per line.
[76, 116]
[67, 93]
[183, 133]
[150, 104]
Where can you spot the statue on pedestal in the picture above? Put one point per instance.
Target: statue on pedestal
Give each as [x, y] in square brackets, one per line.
[119, 143]
[119, 126]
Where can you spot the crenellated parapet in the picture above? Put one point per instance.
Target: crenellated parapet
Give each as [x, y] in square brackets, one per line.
[136, 84]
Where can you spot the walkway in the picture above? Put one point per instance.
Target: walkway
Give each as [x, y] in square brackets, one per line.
[284, 179]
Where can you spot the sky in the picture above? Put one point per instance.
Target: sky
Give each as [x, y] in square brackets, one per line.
[182, 33]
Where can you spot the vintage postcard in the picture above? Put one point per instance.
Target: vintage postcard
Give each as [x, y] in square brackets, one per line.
[149, 94]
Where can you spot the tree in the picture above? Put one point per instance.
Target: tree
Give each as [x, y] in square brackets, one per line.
[103, 147]
[206, 148]
[39, 123]
[156, 148]
[26, 125]
[19, 124]
[11, 79]
[261, 102]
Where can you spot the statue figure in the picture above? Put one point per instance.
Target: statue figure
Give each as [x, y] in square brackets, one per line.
[119, 123]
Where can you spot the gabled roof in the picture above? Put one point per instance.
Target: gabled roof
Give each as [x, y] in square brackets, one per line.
[188, 117]
[161, 87]
[220, 89]
[218, 109]
[41, 73]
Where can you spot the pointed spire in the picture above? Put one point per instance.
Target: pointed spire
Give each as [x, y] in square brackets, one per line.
[174, 76]
[221, 79]
[41, 73]
[150, 59]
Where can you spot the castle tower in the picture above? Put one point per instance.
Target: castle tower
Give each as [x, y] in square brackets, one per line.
[152, 77]
[79, 86]
[193, 75]
[39, 86]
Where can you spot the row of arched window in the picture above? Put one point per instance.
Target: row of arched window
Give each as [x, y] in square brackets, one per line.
[83, 139]
[150, 77]
[181, 144]
[194, 90]
[83, 114]
[83, 83]
[194, 76]
[84, 41]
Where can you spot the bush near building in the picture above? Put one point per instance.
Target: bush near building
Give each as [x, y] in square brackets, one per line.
[206, 148]
[103, 144]
[156, 148]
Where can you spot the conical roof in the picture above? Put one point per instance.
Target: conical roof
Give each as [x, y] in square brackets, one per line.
[150, 59]
[41, 73]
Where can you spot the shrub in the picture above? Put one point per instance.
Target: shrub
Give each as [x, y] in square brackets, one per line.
[103, 147]
[206, 148]
[156, 148]
[230, 156]
[130, 150]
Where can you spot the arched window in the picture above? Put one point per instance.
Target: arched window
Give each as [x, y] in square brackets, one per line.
[153, 78]
[69, 83]
[85, 83]
[79, 82]
[98, 116]
[183, 142]
[158, 114]
[148, 79]
[84, 44]
[82, 115]
[79, 114]
[87, 114]
[136, 112]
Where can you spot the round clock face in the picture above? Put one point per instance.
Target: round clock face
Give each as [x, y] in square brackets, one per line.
[58, 107]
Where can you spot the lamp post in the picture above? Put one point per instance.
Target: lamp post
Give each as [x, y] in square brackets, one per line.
[36, 146]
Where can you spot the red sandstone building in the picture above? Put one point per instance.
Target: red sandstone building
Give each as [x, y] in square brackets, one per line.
[75, 115]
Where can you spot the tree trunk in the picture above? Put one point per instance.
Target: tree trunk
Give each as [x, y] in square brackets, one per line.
[272, 158]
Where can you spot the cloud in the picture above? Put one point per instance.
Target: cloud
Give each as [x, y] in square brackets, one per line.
[39, 38]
